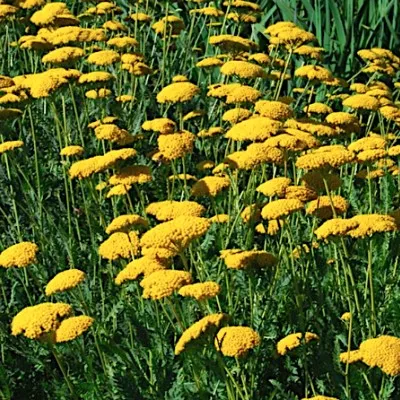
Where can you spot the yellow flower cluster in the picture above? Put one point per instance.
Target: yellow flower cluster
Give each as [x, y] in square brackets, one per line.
[236, 341]
[203, 327]
[11, 145]
[175, 235]
[169, 209]
[162, 125]
[141, 266]
[133, 174]
[382, 352]
[210, 186]
[200, 291]
[176, 145]
[65, 280]
[294, 340]
[85, 168]
[254, 129]
[34, 321]
[243, 259]
[242, 69]
[73, 327]
[123, 223]
[73, 150]
[120, 245]
[19, 255]
[178, 92]
[326, 207]
[274, 187]
[163, 283]
[273, 109]
[278, 209]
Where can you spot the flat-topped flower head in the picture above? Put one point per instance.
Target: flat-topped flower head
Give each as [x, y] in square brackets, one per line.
[236, 341]
[10, 145]
[242, 69]
[210, 186]
[120, 245]
[35, 321]
[176, 145]
[274, 187]
[335, 227]
[19, 255]
[179, 92]
[164, 283]
[65, 280]
[278, 209]
[243, 259]
[200, 291]
[73, 327]
[202, 329]
[294, 340]
[275, 110]
[123, 223]
[72, 150]
[254, 129]
[175, 235]
[169, 209]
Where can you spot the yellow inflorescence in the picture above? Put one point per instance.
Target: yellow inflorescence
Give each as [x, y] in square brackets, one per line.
[236, 341]
[166, 210]
[203, 327]
[73, 327]
[120, 245]
[200, 291]
[294, 340]
[19, 255]
[163, 283]
[65, 280]
[35, 321]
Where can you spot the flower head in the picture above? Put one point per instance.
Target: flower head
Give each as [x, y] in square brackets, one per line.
[19, 255]
[64, 281]
[236, 341]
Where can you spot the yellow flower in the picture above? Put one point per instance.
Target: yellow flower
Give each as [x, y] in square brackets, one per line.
[104, 57]
[162, 125]
[346, 316]
[19, 255]
[85, 168]
[382, 352]
[140, 17]
[281, 208]
[98, 94]
[52, 13]
[314, 73]
[294, 340]
[209, 62]
[242, 69]
[179, 92]
[236, 115]
[134, 174]
[124, 98]
[254, 129]
[333, 158]
[219, 218]
[232, 43]
[70, 151]
[170, 209]
[118, 190]
[370, 155]
[320, 398]
[302, 193]
[120, 245]
[200, 291]
[205, 326]
[251, 213]
[322, 206]
[368, 143]
[163, 283]
[176, 145]
[193, 114]
[8, 146]
[114, 26]
[141, 266]
[350, 357]
[310, 51]
[236, 341]
[124, 223]
[175, 235]
[63, 55]
[122, 42]
[242, 259]
[210, 186]
[169, 25]
[73, 327]
[65, 280]
[35, 321]
[28, 4]
[368, 224]
[242, 94]
[318, 108]
[335, 227]
[273, 109]
[274, 187]
[362, 102]
[95, 76]
[211, 132]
